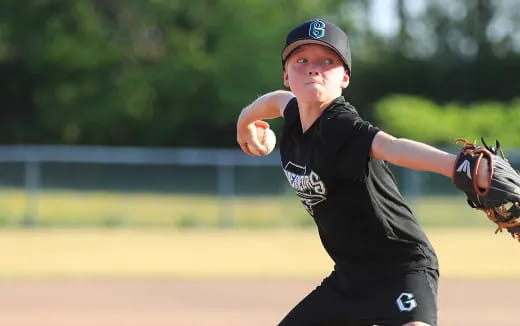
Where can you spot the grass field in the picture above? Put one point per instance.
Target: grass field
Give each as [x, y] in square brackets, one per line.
[112, 209]
[224, 254]
[151, 235]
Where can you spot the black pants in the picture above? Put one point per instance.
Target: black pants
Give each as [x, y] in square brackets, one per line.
[391, 299]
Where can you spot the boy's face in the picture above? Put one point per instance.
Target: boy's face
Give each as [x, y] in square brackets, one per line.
[315, 73]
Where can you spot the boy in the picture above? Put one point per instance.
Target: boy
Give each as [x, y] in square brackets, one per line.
[385, 269]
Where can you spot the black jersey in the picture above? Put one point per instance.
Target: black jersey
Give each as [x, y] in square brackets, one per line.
[362, 219]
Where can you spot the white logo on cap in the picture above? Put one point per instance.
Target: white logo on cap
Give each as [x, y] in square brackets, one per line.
[317, 29]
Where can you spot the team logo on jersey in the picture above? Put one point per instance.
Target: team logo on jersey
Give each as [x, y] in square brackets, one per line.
[406, 302]
[317, 29]
[465, 168]
[309, 187]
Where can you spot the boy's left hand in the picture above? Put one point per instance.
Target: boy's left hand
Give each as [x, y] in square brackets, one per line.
[490, 183]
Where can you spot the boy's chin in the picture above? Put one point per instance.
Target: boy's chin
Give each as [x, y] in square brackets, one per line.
[313, 97]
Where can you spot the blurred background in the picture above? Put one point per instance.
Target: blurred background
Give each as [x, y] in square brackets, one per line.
[118, 158]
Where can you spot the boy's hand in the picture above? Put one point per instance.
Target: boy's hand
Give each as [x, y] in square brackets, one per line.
[247, 137]
[267, 106]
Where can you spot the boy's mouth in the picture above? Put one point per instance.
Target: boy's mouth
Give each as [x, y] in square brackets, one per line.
[311, 82]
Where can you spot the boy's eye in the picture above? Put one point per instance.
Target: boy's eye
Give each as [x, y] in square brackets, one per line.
[301, 60]
[328, 61]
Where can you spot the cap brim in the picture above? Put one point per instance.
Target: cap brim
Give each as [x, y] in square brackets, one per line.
[287, 51]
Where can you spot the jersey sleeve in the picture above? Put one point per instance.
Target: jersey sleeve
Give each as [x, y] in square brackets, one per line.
[290, 109]
[353, 144]
[291, 116]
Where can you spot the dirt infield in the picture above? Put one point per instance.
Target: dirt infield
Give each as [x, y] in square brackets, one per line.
[217, 303]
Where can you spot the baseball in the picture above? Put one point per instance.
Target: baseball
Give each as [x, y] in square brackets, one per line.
[266, 137]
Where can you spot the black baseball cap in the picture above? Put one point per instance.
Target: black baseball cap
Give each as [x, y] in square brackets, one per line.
[319, 31]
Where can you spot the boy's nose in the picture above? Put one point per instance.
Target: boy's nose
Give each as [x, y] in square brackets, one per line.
[313, 73]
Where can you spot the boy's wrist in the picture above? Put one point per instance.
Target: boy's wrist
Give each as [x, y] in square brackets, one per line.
[242, 118]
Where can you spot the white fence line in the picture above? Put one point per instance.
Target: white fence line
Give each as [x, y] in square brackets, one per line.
[133, 155]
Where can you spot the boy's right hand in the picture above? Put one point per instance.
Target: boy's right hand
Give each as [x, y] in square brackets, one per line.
[267, 106]
[247, 137]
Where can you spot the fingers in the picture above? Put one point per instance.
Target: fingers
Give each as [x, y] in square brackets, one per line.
[253, 151]
[245, 149]
[261, 123]
[248, 140]
[255, 148]
[261, 150]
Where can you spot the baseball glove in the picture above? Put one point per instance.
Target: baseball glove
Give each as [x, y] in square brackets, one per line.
[501, 200]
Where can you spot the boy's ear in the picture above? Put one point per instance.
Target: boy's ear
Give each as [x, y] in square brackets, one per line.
[346, 80]
[285, 78]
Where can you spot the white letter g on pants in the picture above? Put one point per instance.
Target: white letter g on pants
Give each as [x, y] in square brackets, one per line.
[406, 302]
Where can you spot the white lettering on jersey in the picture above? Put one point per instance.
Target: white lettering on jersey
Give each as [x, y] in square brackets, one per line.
[309, 188]
[464, 167]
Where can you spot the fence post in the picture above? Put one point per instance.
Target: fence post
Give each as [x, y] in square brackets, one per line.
[412, 186]
[226, 190]
[32, 185]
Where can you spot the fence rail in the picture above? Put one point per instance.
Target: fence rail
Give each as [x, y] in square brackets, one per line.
[134, 155]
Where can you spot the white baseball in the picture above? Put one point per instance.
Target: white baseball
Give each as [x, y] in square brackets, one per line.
[265, 137]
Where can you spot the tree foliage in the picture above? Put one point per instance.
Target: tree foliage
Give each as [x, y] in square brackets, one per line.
[176, 73]
[424, 120]
[162, 72]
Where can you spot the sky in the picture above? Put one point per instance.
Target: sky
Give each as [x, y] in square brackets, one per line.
[384, 19]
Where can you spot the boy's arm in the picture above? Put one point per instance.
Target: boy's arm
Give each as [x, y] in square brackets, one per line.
[268, 106]
[418, 156]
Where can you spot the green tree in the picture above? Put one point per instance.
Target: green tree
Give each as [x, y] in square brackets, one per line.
[138, 72]
[424, 120]
[176, 73]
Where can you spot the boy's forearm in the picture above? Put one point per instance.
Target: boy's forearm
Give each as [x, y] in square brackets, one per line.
[419, 156]
[265, 107]
[256, 111]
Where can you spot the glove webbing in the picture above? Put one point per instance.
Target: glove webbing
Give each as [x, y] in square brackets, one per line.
[505, 220]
